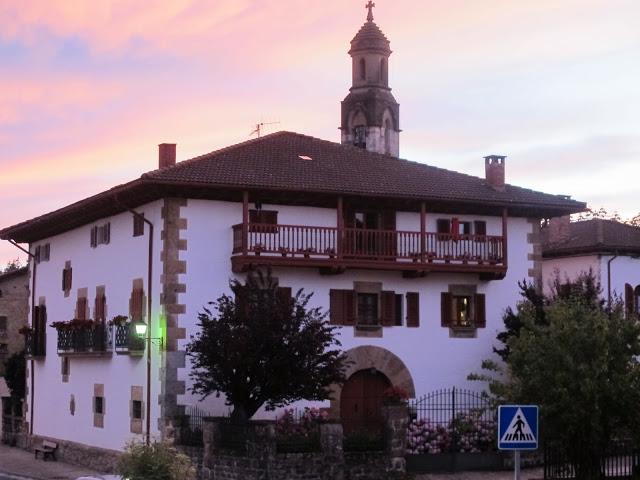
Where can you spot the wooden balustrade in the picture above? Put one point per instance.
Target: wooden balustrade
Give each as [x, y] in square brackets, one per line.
[353, 247]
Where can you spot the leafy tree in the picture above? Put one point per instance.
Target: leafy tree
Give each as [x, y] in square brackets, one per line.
[533, 304]
[263, 347]
[12, 266]
[580, 362]
[15, 372]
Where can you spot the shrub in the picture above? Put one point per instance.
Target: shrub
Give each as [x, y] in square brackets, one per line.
[158, 461]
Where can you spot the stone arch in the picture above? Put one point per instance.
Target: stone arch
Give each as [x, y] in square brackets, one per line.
[366, 357]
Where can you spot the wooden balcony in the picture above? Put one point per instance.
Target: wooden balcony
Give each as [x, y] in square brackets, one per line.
[335, 249]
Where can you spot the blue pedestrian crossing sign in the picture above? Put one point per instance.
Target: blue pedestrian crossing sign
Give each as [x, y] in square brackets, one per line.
[517, 427]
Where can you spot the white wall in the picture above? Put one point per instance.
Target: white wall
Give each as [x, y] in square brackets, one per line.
[569, 268]
[624, 269]
[434, 359]
[114, 265]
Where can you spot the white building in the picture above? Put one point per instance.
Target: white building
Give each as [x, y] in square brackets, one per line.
[610, 249]
[417, 264]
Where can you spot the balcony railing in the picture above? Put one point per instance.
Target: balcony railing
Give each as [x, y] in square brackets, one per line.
[35, 344]
[127, 341]
[364, 248]
[92, 339]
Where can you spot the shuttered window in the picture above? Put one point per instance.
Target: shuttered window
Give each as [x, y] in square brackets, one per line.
[67, 275]
[81, 308]
[138, 225]
[342, 308]
[413, 309]
[462, 311]
[39, 321]
[100, 235]
[479, 311]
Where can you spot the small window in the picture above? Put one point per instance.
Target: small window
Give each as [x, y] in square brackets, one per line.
[443, 225]
[263, 217]
[464, 228]
[363, 69]
[98, 405]
[480, 227]
[4, 349]
[0, 293]
[3, 326]
[367, 309]
[138, 225]
[136, 409]
[64, 368]
[383, 71]
[399, 304]
[67, 277]
[462, 311]
[360, 136]
[100, 235]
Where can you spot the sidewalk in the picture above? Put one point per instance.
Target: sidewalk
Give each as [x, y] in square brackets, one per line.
[15, 461]
[526, 474]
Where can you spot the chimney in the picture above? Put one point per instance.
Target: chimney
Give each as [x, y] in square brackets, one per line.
[559, 229]
[494, 171]
[166, 155]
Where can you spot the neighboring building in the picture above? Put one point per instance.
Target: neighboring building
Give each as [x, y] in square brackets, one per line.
[14, 312]
[416, 264]
[608, 248]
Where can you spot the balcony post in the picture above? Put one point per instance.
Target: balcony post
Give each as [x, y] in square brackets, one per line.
[423, 230]
[340, 222]
[245, 222]
[504, 236]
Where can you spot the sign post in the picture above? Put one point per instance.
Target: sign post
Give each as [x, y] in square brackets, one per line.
[517, 430]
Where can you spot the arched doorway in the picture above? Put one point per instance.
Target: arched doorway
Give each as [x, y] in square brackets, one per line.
[361, 400]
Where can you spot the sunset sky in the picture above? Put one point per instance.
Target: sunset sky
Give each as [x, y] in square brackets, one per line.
[89, 88]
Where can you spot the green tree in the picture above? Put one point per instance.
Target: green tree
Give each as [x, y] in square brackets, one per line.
[264, 347]
[157, 461]
[12, 266]
[580, 365]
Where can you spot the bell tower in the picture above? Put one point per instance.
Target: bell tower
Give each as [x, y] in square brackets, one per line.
[370, 114]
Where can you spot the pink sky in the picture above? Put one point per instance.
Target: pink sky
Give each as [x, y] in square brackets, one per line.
[88, 89]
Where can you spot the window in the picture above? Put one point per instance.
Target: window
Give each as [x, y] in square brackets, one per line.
[99, 309]
[363, 69]
[138, 225]
[360, 136]
[383, 71]
[67, 275]
[42, 253]
[3, 326]
[413, 309]
[4, 349]
[137, 304]
[367, 309]
[81, 308]
[463, 308]
[65, 369]
[98, 405]
[100, 235]
[464, 228]
[263, 217]
[480, 227]
[136, 409]
[443, 225]
[398, 313]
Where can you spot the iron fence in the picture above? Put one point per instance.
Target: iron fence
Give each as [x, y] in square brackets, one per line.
[452, 420]
[619, 460]
[82, 340]
[190, 427]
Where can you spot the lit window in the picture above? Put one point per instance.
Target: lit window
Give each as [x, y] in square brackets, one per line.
[367, 309]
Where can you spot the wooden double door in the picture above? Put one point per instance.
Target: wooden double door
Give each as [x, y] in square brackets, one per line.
[361, 401]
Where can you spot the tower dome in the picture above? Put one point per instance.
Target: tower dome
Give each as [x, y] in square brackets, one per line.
[370, 114]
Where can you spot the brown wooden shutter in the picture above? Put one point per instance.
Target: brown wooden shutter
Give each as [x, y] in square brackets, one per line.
[446, 304]
[64, 279]
[137, 297]
[94, 237]
[69, 278]
[480, 310]
[99, 309]
[388, 308]
[81, 308]
[37, 254]
[629, 298]
[342, 309]
[107, 232]
[413, 309]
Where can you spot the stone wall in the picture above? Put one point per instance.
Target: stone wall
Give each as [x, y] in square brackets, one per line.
[260, 460]
[99, 459]
[14, 305]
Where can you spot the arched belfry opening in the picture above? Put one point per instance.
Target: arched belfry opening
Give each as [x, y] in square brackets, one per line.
[370, 93]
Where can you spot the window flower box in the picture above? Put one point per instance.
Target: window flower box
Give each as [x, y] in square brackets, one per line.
[81, 336]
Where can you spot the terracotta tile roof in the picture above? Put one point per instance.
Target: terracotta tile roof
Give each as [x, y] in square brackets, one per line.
[295, 165]
[291, 161]
[593, 236]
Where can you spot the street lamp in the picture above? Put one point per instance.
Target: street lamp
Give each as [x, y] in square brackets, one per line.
[141, 329]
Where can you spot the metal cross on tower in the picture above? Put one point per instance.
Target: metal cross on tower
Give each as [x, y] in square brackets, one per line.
[370, 6]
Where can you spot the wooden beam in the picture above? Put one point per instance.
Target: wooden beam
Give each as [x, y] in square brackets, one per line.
[340, 223]
[504, 236]
[423, 230]
[245, 221]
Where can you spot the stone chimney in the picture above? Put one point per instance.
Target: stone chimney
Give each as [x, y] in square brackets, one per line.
[559, 229]
[166, 155]
[494, 171]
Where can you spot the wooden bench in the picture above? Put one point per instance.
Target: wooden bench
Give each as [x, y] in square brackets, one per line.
[47, 448]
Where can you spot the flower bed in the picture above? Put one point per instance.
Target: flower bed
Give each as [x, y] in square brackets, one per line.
[297, 433]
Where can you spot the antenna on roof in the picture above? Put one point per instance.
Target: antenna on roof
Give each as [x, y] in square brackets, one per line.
[258, 128]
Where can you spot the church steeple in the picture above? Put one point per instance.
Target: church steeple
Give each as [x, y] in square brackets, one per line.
[370, 114]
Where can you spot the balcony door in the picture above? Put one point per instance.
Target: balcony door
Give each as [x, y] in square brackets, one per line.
[370, 233]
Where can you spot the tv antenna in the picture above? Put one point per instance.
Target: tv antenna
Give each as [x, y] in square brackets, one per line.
[258, 128]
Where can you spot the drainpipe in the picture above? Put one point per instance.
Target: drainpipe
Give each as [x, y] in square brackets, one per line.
[149, 296]
[609, 277]
[33, 304]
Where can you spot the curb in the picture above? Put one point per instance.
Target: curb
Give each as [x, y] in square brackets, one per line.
[13, 476]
